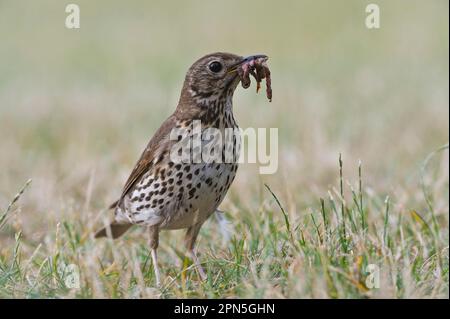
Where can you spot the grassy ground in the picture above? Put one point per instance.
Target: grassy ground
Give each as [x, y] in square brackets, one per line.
[77, 107]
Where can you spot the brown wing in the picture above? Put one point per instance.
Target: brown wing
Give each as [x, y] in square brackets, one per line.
[153, 149]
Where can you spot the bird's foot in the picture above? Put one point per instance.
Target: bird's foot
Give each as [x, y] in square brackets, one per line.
[198, 266]
[201, 273]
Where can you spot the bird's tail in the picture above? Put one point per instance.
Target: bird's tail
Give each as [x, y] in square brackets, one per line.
[116, 229]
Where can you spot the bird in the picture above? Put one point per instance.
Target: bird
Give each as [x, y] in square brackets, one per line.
[164, 193]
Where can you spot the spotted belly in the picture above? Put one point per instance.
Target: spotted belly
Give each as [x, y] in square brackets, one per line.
[184, 195]
[211, 186]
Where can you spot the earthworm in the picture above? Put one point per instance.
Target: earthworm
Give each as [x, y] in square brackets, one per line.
[259, 69]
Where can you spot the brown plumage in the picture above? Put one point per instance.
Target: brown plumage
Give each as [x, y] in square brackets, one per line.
[163, 193]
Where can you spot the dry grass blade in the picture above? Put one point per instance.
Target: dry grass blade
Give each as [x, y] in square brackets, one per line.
[286, 217]
[5, 214]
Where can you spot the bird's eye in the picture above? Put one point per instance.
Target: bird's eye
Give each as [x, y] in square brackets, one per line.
[215, 66]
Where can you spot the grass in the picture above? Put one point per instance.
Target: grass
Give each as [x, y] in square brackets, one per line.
[325, 253]
[77, 109]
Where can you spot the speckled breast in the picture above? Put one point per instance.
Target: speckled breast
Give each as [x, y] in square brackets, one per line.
[179, 195]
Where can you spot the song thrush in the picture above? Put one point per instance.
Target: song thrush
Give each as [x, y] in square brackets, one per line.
[163, 193]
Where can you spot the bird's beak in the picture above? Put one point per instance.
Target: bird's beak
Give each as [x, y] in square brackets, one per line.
[234, 67]
[254, 57]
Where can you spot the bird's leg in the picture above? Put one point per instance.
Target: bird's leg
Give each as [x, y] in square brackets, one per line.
[153, 243]
[191, 236]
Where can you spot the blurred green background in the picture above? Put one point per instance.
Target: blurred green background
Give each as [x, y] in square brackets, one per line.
[78, 106]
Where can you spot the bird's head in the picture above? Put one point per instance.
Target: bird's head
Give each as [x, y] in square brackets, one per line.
[213, 77]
